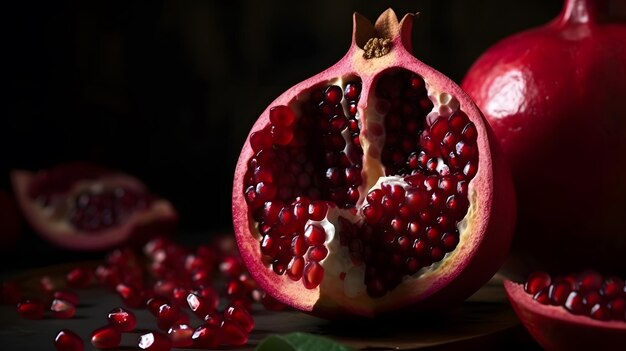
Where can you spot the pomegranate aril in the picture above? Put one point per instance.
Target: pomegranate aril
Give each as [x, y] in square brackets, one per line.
[180, 335]
[231, 334]
[317, 253]
[617, 308]
[312, 275]
[131, 297]
[62, 309]
[241, 316]
[589, 280]
[31, 309]
[282, 116]
[167, 316]
[315, 235]
[79, 277]
[537, 281]
[206, 336]
[559, 292]
[198, 305]
[122, 319]
[67, 295]
[67, 340]
[600, 312]
[106, 337]
[542, 296]
[154, 341]
[575, 303]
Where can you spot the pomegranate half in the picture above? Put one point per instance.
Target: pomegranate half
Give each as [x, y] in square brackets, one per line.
[87, 207]
[577, 311]
[373, 186]
[553, 96]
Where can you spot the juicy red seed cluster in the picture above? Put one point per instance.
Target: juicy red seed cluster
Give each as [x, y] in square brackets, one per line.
[96, 211]
[289, 179]
[587, 293]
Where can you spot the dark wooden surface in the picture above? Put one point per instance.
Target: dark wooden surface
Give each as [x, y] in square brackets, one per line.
[485, 321]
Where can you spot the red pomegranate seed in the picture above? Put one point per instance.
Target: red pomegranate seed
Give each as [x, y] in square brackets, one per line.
[167, 316]
[542, 296]
[67, 340]
[79, 277]
[315, 235]
[62, 309]
[612, 287]
[198, 305]
[558, 293]
[352, 91]
[312, 275]
[106, 337]
[180, 335]
[210, 295]
[282, 116]
[261, 140]
[537, 281]
[241, 316]
[213, 318]
[47, 284]
[154, 341]
[232, 334]
[206, 336]
[130, 296]
[600, 312]
[575, 303]
[231, 266]
[67, 295]
[179, 296]
[30, 309]
[589, 280]
[617, 307]
[122, 319]
[154, 303]
[318, 253]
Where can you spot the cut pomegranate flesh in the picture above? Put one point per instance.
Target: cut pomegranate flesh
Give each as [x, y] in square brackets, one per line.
[83, 206]
[291, 181]
[587, 293]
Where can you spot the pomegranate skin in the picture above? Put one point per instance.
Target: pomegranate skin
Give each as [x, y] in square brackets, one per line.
[479, 256]
[552, 95]
[556, 329]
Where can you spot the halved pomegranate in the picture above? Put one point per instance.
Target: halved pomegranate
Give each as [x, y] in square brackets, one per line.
[84, 206]
[372, 186]
[584, 311]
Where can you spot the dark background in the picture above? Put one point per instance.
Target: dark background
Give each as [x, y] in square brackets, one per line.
[167, 90]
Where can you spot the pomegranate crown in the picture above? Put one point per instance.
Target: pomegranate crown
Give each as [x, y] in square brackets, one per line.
[377, 39]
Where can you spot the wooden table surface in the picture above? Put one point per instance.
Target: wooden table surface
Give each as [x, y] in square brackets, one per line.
[485, 321]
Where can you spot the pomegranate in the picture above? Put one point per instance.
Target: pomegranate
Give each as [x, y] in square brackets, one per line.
[587, 305]
[373, 186]
[83, 206]
[553, 109]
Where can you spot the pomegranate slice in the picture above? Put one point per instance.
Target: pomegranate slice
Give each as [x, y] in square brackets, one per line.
[584, 311]
[83, 206]
[372, 186]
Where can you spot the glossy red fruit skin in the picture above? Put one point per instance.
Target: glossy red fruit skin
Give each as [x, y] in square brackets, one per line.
[160, 218]
[493, 228]
[553, 96]
[556, 329]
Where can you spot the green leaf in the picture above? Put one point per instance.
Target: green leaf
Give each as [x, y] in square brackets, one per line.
[299, 342]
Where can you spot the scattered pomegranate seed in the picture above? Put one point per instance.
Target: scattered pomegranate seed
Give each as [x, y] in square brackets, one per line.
[31, 309]
[62, 309]
[154, 341]
[67, 295]
[67, 340]
[106, 337]
[206, 336]
[180, 335]
[122, 319]
[79, 277]
[232, 334]
[241, 316]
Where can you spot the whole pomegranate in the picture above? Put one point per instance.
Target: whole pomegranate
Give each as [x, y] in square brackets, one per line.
[552, 95]
[372, 187]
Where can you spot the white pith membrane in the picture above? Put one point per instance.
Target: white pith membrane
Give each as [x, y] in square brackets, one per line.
[343, 282]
